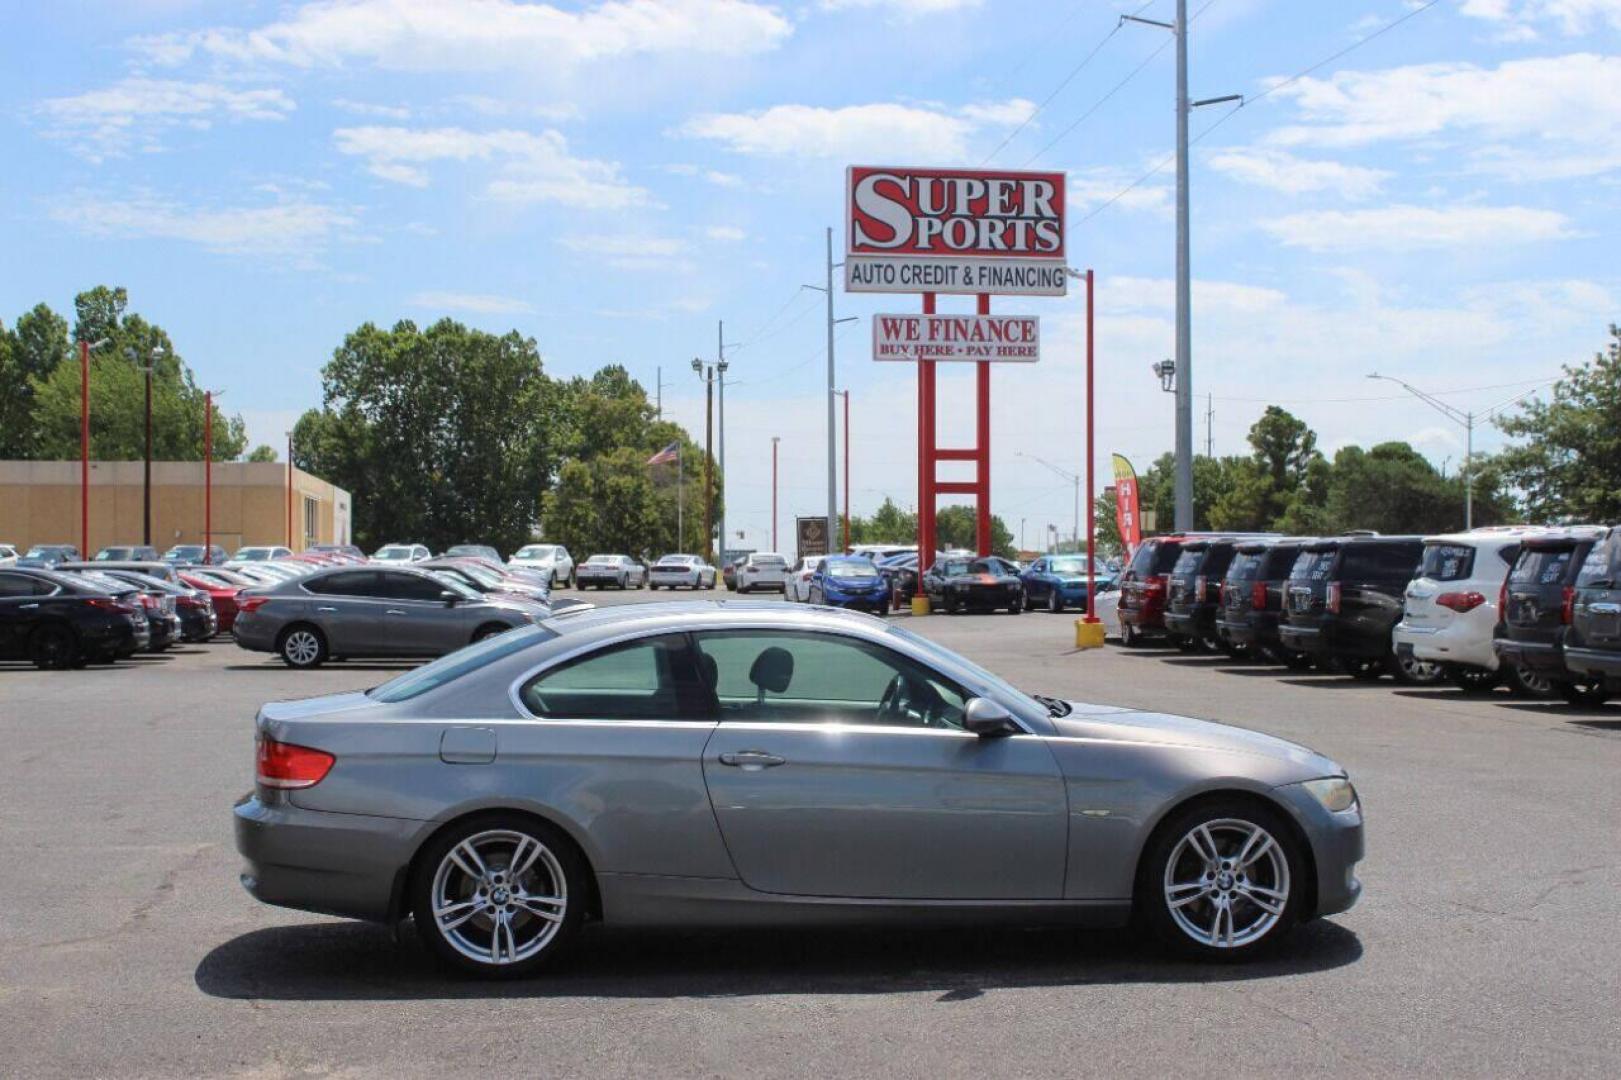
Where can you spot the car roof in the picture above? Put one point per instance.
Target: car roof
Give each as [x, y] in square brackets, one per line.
[1328, 543]
[718, 613]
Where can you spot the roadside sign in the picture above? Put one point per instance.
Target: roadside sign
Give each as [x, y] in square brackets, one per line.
[812, 535]
[986, 338]
[990, 231]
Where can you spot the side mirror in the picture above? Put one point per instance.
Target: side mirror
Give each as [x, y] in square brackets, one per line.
[988, 719]
[449, 598]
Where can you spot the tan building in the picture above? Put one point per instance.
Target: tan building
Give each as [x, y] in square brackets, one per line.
[40, 504]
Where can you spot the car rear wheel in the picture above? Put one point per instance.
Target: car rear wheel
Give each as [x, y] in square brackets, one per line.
[1529, 683]
[1415, 672]
[302, 646]
[1474, 680]
[1129, 636]
[1220, 881]
[53, 648]
[1589, 693]
[499, 895]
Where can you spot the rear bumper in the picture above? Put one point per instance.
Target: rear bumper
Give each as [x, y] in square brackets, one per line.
[1594, 662]
[1328, 639]
[334, 864]
[1543, 656]
[1236, 632]
[1457, 643]
[254, 632]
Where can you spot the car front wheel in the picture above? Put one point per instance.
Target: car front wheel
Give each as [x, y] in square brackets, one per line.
[499, 895]
[53, 648]
[1221, 881]
[1055, 602]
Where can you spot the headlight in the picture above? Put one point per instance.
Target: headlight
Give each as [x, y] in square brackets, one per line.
[1334, 792]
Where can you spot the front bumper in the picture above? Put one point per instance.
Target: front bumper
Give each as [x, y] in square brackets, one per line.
[333, 864]
[983, 596]
[1337, 845]
[872, 599]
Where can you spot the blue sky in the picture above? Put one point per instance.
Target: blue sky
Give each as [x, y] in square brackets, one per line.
[613, 178]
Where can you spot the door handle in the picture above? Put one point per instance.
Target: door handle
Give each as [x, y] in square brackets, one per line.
[394, 611]
[330, 609]
[28, 607]
[752, 760]
[1604, 609]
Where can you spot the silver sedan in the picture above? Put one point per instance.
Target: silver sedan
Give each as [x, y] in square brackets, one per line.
[724, 764]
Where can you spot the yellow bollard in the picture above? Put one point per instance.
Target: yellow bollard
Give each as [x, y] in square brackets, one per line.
[920, 604]
[1088, 635]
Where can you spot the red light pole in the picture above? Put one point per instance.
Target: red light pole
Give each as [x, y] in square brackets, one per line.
[1091, 531]
[84, 444]
[289, 490]
[208, 477]
[774, 441]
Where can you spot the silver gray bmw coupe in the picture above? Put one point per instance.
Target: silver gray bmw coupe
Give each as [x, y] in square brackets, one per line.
[725, 763]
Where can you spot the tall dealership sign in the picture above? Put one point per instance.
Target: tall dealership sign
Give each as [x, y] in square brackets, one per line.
[981, 232]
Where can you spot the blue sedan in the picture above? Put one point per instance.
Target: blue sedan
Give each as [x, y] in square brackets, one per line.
[1059, 581]
[850, 581]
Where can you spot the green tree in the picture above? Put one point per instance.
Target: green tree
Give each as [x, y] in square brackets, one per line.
[1569, 463]
[16, 409]
[958, 527]
[606, 505]
[889, 524]
[33, 349]
[1107, 524]
[262, 453]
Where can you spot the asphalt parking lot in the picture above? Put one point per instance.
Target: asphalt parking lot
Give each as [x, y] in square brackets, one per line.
[1486, 943]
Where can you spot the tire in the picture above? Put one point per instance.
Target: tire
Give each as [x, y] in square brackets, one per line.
[1590, 694]
[302, 646]
[1528, 683]
[1029, 602]
[1183, 642]
[1415, 672]
[1055, 602]
[652, 587]
[464, 871]
[53, 647]
[1473, 680]
[1225, 909]
[1130, 636]
[1364, 669]
[623, 583]
[1016, 607]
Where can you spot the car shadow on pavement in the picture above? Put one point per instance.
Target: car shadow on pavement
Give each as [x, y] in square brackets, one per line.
[346, 961]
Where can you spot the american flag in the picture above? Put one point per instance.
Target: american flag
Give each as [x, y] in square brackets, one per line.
[668, 454]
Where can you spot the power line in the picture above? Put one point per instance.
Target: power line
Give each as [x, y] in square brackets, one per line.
[1390, 397]
[761, 334]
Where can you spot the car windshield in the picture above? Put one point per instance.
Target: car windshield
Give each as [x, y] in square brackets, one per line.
[393, 552]
[851, 568]
[254, 554]
[113, 554]
[483, 575]
[535, 551]
[1074, 564]
[449, 668]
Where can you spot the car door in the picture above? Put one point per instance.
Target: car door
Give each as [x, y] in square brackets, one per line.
[416, 619]
[1035, 583]
[820, 792]
[19, 611]
[348, 611]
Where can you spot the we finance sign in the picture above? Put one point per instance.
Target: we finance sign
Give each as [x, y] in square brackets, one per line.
[988, 338]
[920, 230]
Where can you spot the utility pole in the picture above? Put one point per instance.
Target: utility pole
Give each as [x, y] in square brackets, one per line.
[208, 476]
[1074, 479]
[774, 441]
[680, 494]
[708, 376]
[1209, 426]
[289, 490]
[832, 460]
[845, 394]
[720, 369]
[1184, 303]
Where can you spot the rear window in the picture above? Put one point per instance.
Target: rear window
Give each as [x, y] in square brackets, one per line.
[1447, 562]
[1380, 562]
[1602, 563]
[1314, 565]
[1542, 566]
[770, 560]
[1187, 563]
[1155, 557]
[461, 662]
[1246, 566]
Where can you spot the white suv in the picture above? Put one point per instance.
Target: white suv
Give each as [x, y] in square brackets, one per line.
[1450, 608]
[763, 570]
[550, 559]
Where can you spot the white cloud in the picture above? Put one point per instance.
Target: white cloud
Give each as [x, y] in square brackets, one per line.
[533, 167]
[296, 227]
[888, 131]
[480, 35]
[1519, 19]
[1546, 117]
[132, 113]
[1090, 188]
[713, 176]
[367, 108]
[478, 303]
[485, 105]
[726, 233]
[1282, 171]
[1413, 228]
[628, 251]
[908, 8]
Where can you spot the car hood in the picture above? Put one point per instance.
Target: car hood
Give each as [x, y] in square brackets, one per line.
[1116, 724]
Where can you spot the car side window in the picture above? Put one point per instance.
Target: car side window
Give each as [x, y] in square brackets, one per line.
[16, 585]
[802, 677]
[409, 587]
[348, 583]
[651, 678]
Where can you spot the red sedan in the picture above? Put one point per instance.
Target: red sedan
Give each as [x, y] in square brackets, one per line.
[222, 587]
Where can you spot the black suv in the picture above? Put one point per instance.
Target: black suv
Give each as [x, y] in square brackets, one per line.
[1593, 642]
[1195, 593]
[1343, 599]
[59, 621]
[1252, 599]
[1537, 606]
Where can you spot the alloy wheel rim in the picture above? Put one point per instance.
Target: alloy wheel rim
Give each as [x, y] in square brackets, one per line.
[301, 647]
[1227, 883]
[499, 897]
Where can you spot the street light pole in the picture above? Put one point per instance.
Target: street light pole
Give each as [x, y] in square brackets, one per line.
[708, 376]
[208, 477]
[1073, 479]
[845, 394]
[720, 368]
[774, 441]
[85, 349]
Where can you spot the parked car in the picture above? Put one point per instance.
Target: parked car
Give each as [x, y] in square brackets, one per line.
[192, 606]
[480, 578]
[799, 578]
[1536, 607]
[401, 553]
[8, 555]
[1593, 642]
[682, 571]
[880, 552]
[1451, 608]
[601, 571]
[728, 571]
[370, 611]
[849, 581]
[1057, 582]
[351, 552]
[49, 555]
[1252, 598]
[762, 570]
[60, 621]
[127, 553]
[957, 583]
[551, 559]
[900, 571]
[222, 594]
[1106, 608]
[261, 554]
[1345, 596]
[195, 555]
[1193, 594]
[1143, 589]
[474, 551]
[163, 621]
[485, 796]
[155, 567]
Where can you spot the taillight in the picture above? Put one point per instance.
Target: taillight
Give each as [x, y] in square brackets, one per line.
[1460, 601]
[247, 605]
[1332, 603]
[1567, 609]
[285, 765]
[153, 602]
[1258, 596]
[1155, 584]
[1502, 603]
[107, 603]
[191, 602]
